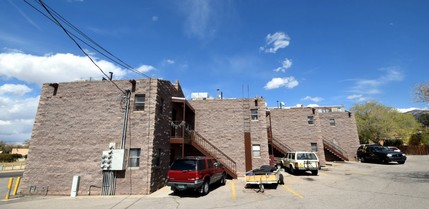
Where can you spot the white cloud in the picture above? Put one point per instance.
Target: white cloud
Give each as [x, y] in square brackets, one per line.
[145, 68]
[357, 97]
[286, 64]
[202, 17]
[313, 105]
[366, 87]
[169, 61]
[314, 99]
[155, 18]
[275, 42]
[288, 82]
[16, 113]
[53, 68]
[14, 89]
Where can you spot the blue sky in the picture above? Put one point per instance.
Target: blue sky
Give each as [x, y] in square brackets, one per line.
[297, 52]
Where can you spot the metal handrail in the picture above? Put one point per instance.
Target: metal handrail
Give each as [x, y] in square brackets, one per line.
[335, 148]
[281, 145]
[215, 152]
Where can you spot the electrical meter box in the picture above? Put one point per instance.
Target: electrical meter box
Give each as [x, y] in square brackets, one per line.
[113, 160]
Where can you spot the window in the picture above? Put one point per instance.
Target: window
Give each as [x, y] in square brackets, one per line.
[332, 122]
[139, 101]
[256, 150]
[314, 147]
[254, 114]
[134, 157]
[201, 165]
[211, 163]
[310, 119]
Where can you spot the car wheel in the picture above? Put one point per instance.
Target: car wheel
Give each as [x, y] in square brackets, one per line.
[401, 162]
[292, 171]
[204, 188]
[362, 159]
[176, 192]
[222, 180]
[315, 172]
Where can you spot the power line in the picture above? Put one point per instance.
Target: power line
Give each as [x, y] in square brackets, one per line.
[107, 54]
[78, 45]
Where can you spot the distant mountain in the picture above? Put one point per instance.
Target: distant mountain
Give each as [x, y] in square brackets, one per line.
[417, 113]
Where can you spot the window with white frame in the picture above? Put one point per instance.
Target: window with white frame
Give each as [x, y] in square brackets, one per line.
[256, 150]
[139, 101]
[254, 114]
[134, 160]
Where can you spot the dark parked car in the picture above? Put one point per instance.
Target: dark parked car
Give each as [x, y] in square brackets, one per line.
[195, 173]
[378, 153]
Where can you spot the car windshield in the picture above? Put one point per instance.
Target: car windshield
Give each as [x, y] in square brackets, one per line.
[306, 156]
[184, 165]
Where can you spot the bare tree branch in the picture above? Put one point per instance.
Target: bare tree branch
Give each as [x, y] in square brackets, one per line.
[422, 92]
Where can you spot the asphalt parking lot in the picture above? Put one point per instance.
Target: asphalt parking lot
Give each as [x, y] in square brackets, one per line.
[338, 185]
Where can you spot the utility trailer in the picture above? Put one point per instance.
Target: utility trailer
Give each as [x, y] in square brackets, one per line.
[265, 175]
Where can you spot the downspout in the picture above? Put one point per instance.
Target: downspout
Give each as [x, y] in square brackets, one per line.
[125, 125]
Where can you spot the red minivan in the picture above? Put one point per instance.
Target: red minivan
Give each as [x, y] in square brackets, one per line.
[195, 173]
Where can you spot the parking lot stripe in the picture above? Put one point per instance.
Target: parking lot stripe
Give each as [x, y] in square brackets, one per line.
[233, 190]
[293, 192]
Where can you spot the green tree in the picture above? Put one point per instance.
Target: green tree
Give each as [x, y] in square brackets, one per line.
[4, 147]
[377, 123]
[424, 119]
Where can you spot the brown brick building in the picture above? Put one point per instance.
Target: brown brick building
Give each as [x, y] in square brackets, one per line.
[77, 121]
[329, 131]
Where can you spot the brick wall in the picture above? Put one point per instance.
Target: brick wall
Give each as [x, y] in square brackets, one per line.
[73, 127]
[221, 121]
[344, 133]
[291, 127]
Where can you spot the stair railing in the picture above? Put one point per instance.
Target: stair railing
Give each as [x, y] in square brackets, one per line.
[335, 149]
[208, 148]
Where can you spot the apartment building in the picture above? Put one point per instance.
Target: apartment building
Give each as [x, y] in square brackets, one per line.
[80, 126]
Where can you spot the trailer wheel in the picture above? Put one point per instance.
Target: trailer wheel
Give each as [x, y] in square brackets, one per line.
[281, 179]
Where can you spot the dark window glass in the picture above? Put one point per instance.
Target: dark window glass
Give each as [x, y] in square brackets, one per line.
[310, 119]
[134, 157]
[184, 165]
[201, 165]
[139, 102]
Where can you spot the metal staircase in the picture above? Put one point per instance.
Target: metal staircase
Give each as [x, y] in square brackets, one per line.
[208, 149]
[283, 148]
[335, 150]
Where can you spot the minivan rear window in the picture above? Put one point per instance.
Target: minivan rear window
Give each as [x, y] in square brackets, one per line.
[184, 165]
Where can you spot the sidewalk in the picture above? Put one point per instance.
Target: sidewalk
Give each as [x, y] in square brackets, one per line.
[66, 202]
